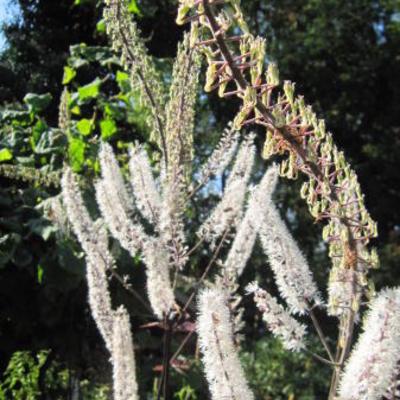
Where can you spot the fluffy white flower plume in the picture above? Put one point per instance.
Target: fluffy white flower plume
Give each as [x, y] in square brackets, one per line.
[99, 260]
[112, 178]
[130, 234]
[221, 361]
[278, 320]
[123, 360]
[113, 326]
[144, 188]
[245, 237]
[228, 210]
[159, 286]
[291, 270]
[373, 362]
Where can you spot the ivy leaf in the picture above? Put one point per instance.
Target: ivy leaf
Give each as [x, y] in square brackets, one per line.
[69, 74]
[108, 128]
[37, 102]
[5, 155]
[76, 154]
[84, 126]
[90, 90]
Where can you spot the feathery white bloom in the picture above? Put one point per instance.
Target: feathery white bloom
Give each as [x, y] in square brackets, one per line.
[245, 237]
[291, 270]
[159, 286]
[221, 156]
[171, 227]
[112, 178]
[77, 213]
[123, 358]
[130, 234]
[278, 320]
[228, 211]
[94, 242]
[370, 368]
[222, 366]
[144, 188]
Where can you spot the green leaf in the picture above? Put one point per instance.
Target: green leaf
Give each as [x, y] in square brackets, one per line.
[101, 26]
[69, 74]
[90, 91]
[5, 155]
[108, 128]
[121, 76]
[134, 8]
[37, 102]
[76, 154]
[40, 274]
[84, 126]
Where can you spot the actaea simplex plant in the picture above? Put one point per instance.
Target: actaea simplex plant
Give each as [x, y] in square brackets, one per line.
[236, 66]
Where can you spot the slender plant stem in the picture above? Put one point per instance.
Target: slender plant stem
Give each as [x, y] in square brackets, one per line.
[181, 346]
[321, 335]
[203, 276]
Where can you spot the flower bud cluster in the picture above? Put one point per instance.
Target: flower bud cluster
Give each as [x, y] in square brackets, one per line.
[180, 108]
[332, 191]
[145, 80]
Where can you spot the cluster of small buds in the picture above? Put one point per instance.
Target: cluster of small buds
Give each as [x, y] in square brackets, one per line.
[222, 365]
[373, 363]
[279, 321]
[228, 210]
[64, 115]
[180, 108]
[332, 192]
[145, 80]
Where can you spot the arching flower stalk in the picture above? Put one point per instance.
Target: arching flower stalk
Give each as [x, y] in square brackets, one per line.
[222, 366]
[373, 363]
[278, 320]
[236, 68]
